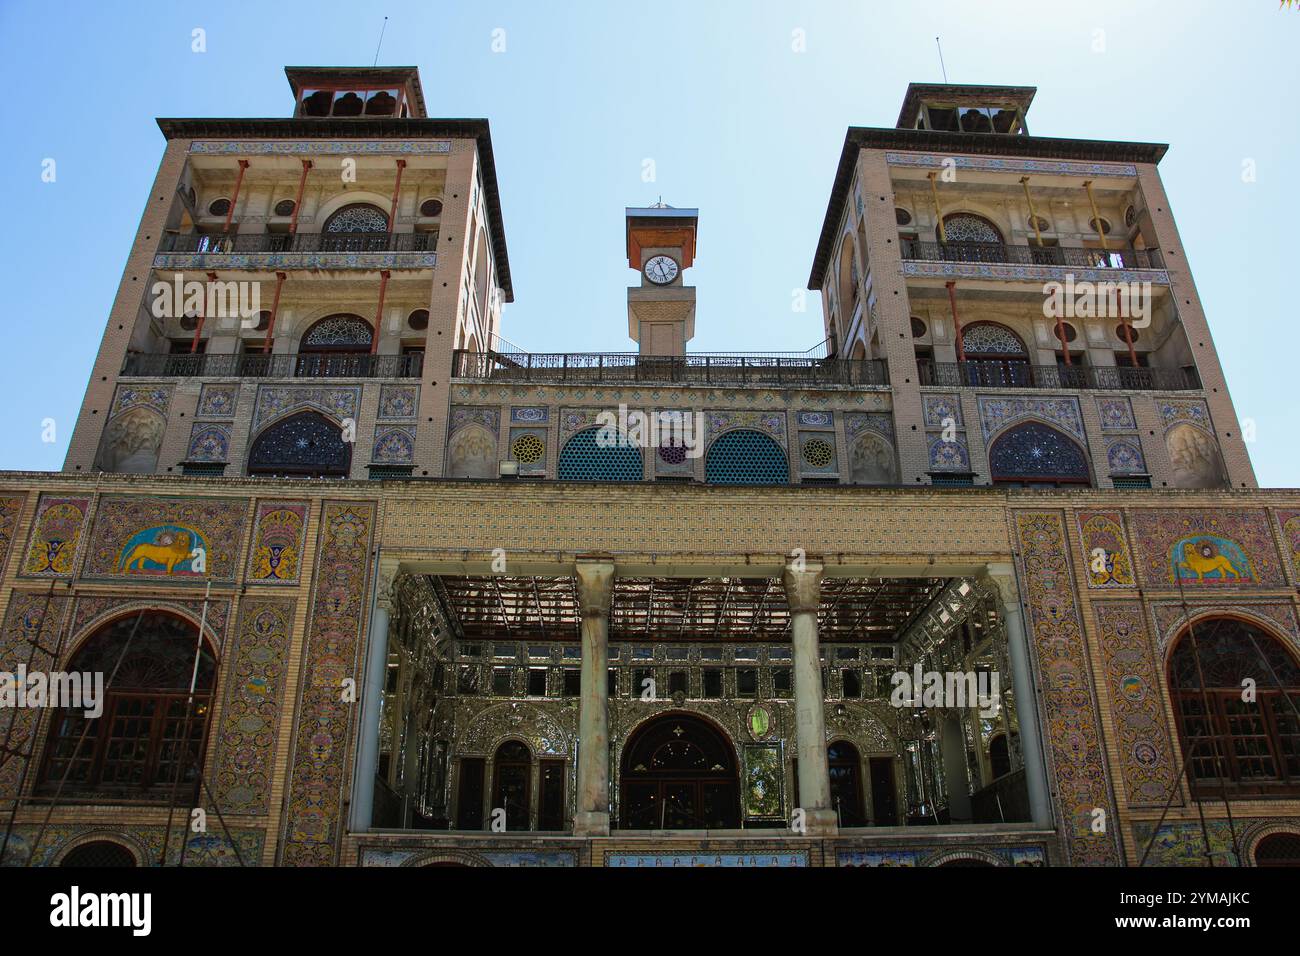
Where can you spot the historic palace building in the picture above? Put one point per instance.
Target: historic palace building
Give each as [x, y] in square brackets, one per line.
[984, 579]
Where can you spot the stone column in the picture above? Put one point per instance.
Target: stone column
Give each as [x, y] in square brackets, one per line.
[1003, 578]
[372, 694]
[595, 587]
[802, 582]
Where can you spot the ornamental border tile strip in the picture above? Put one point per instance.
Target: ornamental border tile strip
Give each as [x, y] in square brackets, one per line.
[320, 764]
[1069, 713]
[1029, 273]
[297, 260]
[1058, 167]
[335, 147]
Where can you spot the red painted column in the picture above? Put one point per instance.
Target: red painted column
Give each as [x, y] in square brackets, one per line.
[297, 203]
[198, 329]
[275, 307]
[397, 188]
[956, 322]
[239, 181]
[379, 311]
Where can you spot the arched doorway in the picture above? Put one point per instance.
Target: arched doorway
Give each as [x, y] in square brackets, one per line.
[845, 766]
[511, 783]
[1249, 747]
[305, 445]
[148, 737]
[679, 772]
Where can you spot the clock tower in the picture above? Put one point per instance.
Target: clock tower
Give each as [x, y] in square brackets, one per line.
[661, 246]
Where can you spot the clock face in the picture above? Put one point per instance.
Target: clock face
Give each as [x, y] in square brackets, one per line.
[661, 270]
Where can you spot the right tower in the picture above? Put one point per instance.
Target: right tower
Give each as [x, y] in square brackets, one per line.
[1032, 298]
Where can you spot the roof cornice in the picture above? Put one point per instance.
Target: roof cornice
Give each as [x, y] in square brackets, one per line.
[972, 144]
[367, 128]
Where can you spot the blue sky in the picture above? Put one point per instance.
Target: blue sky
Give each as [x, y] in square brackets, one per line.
[736, 122]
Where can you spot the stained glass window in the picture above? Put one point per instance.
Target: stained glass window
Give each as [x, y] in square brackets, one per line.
[968, 227]
[304, 444]
[358, 217]
[337, 331]
[1036, 452]
[989, 338]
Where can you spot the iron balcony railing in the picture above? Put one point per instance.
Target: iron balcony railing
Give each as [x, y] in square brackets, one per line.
[347, 242]
[997, 252]
[793, 369]
[258, 365]
[997, 374]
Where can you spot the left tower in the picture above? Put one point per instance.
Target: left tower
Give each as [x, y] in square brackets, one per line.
[297, 287]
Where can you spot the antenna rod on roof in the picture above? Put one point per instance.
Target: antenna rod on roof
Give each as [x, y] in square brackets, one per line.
[936, 43]
[381, 41]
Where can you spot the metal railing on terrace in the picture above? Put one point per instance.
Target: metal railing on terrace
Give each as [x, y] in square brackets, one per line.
[796, 369]
[199, 243]
[1000, 374]
[1032, 255]
[258, 365]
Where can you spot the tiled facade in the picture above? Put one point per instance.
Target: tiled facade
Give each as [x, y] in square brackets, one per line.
[320, 598]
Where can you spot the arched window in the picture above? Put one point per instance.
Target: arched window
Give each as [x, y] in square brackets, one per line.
[511, 780]
[849, 282]
[342, 332]
[968, 227]
[148, 737]
[306, 445]
[1250, 747]
[584, 459]
[745, 457]
[98, 853]
[846, 783]
[1278, 849]
[356, 227]
[1037, 454]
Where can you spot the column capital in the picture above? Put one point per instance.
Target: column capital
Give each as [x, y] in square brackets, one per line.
[802, 579]
[385, 584]
[595, 575]
[1002, 576]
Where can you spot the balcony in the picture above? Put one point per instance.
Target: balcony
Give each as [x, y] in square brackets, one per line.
[256, 365]
[1000, 374]
[793, 370]
[997, 252]
[301, 250]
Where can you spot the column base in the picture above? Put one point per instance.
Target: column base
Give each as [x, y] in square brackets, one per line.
[588, 823]
[821, 823]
